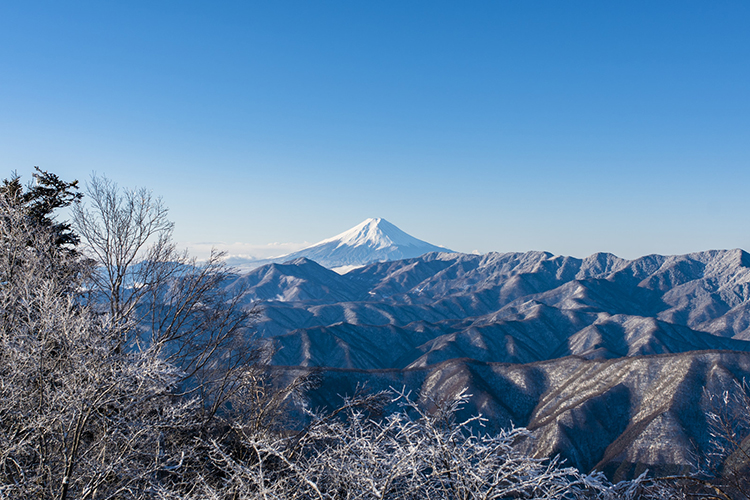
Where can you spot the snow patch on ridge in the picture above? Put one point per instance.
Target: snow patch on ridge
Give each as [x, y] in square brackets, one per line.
[345, 269]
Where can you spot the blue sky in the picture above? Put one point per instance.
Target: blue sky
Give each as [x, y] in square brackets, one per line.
[572, 127]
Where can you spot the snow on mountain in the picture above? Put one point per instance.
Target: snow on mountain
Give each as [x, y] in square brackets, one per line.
[473, 297]
[604, 360]
[376, 234]
[620, 416]
[374, 240]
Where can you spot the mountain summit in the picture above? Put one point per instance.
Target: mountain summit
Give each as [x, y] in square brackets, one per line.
[378, 234]
[374, 240]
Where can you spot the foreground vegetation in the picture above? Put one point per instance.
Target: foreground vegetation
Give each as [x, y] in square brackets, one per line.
[128, 371]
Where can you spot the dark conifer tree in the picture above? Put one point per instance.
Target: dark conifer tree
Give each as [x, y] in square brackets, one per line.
[41, 198]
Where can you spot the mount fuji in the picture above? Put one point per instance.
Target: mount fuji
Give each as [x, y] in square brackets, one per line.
[374, 240]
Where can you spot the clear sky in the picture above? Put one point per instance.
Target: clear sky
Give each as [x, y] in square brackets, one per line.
[571, 127]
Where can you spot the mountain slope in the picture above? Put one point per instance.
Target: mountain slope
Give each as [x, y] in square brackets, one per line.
[664, 304]
[374, 240]
[621, 416]
[609, 362]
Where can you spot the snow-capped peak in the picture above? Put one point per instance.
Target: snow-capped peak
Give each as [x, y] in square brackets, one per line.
[376, 233]
[374, 240]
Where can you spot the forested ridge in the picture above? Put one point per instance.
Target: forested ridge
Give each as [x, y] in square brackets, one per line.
[128, 370]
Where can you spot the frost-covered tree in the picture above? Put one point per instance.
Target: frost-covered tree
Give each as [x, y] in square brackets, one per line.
[96, 408]
[41, 198]
[78, 417]
[410, 454]
[728, 462]
[182, 308]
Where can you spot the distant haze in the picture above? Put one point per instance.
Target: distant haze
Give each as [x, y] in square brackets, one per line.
[243, 250]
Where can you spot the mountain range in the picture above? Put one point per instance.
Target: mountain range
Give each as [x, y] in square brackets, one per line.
[607, 361]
